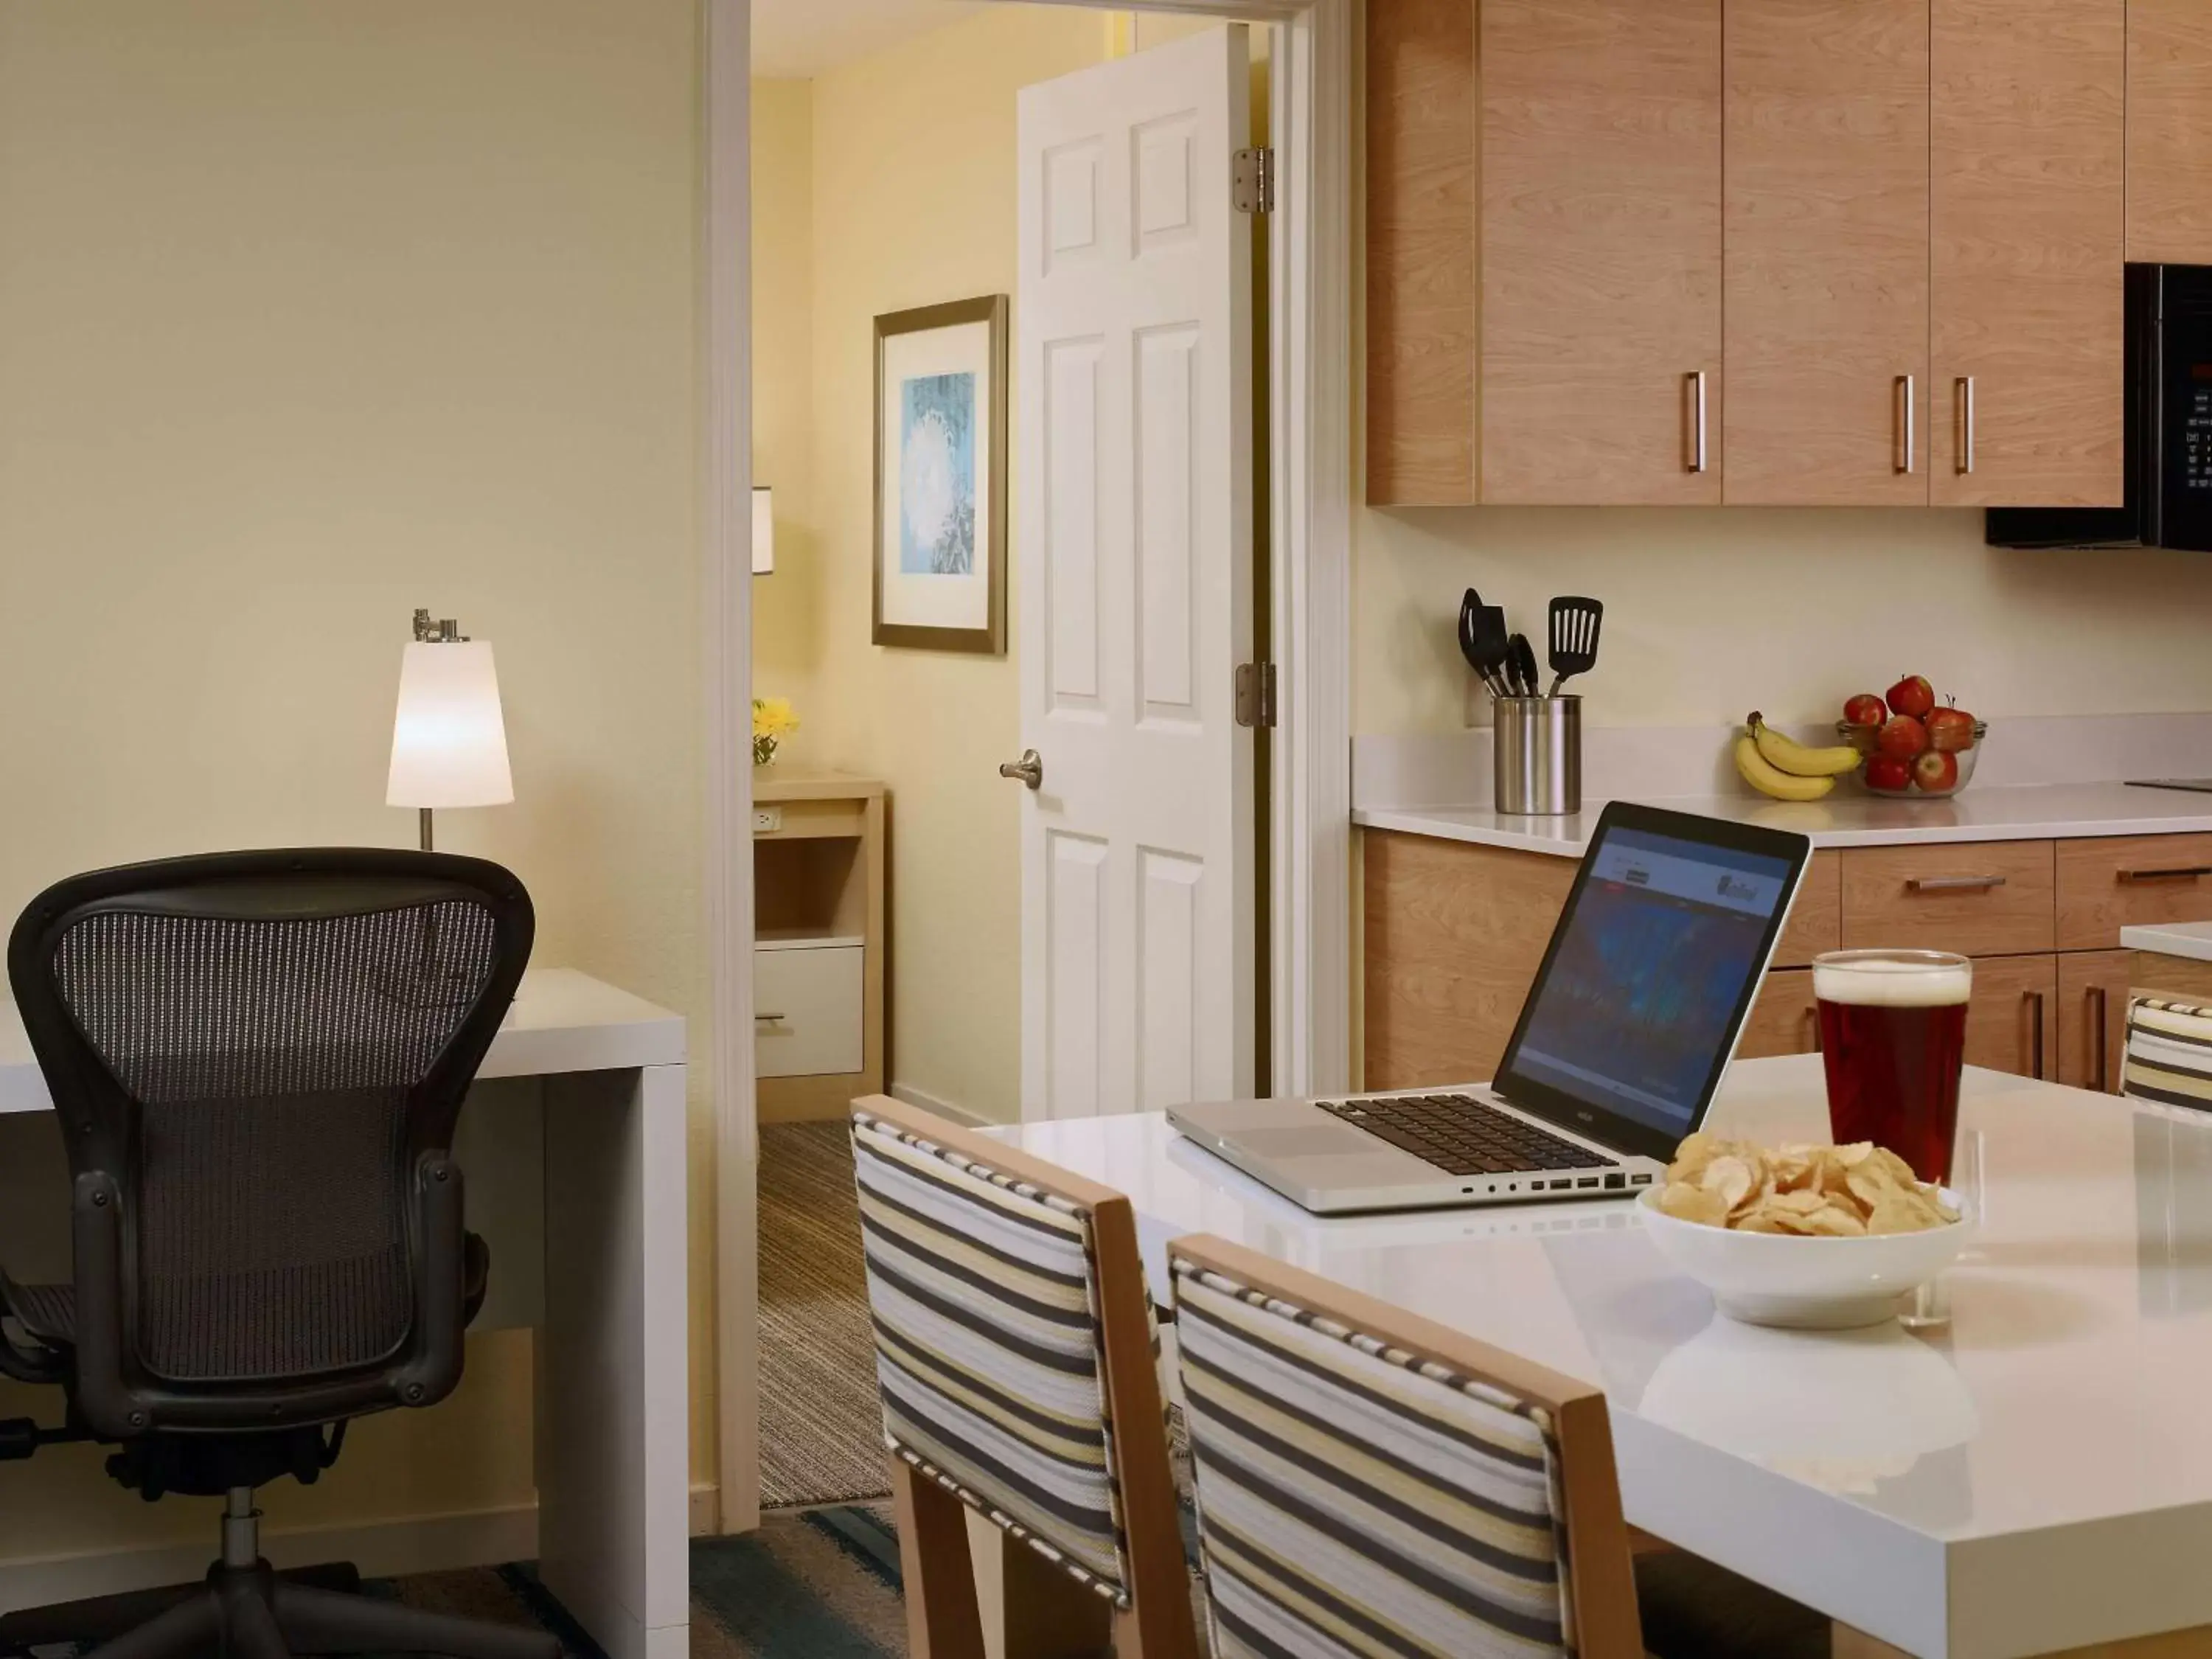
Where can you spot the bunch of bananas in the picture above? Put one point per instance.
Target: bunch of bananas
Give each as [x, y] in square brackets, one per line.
[1785, 768]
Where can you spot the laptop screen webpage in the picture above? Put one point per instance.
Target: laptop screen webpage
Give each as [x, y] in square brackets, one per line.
[1650, 973]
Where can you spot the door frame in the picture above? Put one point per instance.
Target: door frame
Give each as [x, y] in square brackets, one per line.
[1312, 62]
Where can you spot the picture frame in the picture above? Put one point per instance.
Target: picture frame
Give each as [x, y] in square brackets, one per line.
[940, 476]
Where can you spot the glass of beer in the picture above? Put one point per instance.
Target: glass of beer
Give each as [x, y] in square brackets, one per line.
[1892, 1036]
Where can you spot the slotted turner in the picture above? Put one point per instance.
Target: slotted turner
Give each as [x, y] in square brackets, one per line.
[1575, 625]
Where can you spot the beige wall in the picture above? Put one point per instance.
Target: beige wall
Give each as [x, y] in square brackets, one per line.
[310, 314]
[1710, 613]
[913, 202]
[787, 606]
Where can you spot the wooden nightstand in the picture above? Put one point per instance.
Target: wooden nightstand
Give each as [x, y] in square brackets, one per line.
[819, 952]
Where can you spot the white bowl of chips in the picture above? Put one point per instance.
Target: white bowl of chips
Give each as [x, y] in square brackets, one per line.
[1804, 1237]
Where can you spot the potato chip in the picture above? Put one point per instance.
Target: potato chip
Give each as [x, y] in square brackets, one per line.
[1809, 1191]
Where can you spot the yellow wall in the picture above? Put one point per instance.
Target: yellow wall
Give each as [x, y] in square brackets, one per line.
[913, 204]
[310, 314]
[787, 606]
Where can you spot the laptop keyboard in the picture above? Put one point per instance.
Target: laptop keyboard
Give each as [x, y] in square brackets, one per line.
[1463, 1135]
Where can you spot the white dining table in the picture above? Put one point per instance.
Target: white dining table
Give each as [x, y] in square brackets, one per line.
[2034, 1477]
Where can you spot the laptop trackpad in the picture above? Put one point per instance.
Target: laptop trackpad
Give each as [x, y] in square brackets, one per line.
[1314, 1141]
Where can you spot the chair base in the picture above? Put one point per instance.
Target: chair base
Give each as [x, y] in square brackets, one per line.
[103, 1618]
[251, 1613]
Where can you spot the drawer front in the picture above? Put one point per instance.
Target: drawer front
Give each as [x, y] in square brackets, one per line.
[807, 1010]
[2012, 1020]
[1977, 898]
[2104, 885]
[1816, 919]
[2093, 1018]
[1785, 1020]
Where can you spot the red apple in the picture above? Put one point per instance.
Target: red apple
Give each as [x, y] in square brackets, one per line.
[1950, 730]
[1902, 737]
[1912, 695]
[1865, 709]
[1936, 772]
[1887, 773]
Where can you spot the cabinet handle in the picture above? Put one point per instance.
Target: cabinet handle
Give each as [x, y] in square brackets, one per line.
[1953, 883]
[1962, 391]
[1908, 440]
[768, 1019]
[1694, 391]
[2100, 1045]
[2034, 1001]
[2178, 873]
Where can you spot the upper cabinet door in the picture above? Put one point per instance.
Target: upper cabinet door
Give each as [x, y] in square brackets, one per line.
[2170, 131]
[1600, 251]
[1827, 253]
[2029, 218]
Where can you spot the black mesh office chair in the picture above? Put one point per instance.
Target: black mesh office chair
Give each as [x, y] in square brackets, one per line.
[258, 1059]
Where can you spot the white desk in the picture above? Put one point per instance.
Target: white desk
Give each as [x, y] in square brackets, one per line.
[2035, 1477]
[589, 1134]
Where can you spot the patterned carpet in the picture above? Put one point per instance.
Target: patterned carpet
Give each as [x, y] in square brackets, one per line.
[821, 1430]
[821, 1584]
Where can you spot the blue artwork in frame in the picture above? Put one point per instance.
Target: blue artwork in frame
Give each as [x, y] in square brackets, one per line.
[937, 475]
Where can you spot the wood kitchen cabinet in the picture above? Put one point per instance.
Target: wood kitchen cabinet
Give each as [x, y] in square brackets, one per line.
[1827, 254]
[2028, 219]
[2012, 1019]
[1600, 347]
[1786, 1019]
[2170, 131]
[2093, 1018]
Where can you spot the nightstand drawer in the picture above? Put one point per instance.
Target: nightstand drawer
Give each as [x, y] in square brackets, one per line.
[807, 1010]
[1990, 898]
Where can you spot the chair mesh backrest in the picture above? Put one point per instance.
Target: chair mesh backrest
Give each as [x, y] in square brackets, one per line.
[2169, 1053]
[983, 1292]
[271, 1061]
[1354, 1500]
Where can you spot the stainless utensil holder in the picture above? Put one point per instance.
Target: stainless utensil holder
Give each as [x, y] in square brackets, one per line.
[1537, 757]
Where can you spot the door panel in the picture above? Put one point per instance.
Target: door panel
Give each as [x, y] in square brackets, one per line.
[2028, 216]
[2093, 1018]
[2012, 1023]
[1600, 255]
[1827, 253]
[2170, 131]
[1133, 449]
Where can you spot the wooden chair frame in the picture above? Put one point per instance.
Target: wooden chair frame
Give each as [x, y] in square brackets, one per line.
[1600, 1572]
[1049, 1614]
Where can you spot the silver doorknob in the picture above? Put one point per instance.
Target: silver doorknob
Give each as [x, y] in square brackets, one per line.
[1030, 768]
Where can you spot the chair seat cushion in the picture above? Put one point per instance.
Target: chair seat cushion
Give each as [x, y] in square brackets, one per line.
[1694, 1610]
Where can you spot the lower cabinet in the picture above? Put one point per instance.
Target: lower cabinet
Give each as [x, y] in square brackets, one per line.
[2093, 1018]
[1785, 1020]
[2012, 1021]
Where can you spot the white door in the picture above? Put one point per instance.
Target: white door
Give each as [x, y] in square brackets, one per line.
[1133, 436]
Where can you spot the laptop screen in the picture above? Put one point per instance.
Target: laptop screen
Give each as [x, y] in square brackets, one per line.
[1657, 956]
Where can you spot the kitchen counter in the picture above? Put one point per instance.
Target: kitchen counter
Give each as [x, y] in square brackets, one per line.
[2192, 940]
[1850, 817]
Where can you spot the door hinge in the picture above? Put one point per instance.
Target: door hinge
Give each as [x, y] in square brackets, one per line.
[1256, 695]
[1252, 181]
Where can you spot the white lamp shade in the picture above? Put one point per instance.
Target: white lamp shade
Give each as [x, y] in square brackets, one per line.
[448, 741]
[763, 531]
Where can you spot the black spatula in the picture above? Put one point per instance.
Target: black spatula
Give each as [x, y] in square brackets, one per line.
[1575, 625]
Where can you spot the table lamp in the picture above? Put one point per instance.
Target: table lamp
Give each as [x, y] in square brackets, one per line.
[448, 739]
[763, 531]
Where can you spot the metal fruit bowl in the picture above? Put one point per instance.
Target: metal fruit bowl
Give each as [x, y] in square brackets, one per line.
[1862, 738]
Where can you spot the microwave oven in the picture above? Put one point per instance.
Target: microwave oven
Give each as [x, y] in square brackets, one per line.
[2168, 432]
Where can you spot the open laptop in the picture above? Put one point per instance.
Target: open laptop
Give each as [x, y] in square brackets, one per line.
[1659, 953]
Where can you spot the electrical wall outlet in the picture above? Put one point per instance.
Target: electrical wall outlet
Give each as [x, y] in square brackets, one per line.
[767, 820]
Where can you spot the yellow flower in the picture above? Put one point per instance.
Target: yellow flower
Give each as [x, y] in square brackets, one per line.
[772, 717]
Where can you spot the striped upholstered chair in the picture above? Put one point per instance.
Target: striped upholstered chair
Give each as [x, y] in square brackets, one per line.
[1369, 1483]
[1016, 1359]
[2169, 1053]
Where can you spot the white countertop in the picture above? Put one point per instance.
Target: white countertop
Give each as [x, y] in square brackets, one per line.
[1849, 817]
[2037, 1475]
[2171, 938]
[561, 1021]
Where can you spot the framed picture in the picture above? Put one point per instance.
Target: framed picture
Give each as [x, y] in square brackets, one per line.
[941, 476]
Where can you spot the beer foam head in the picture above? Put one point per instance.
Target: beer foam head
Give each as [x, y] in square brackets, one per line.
[1893, 983]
